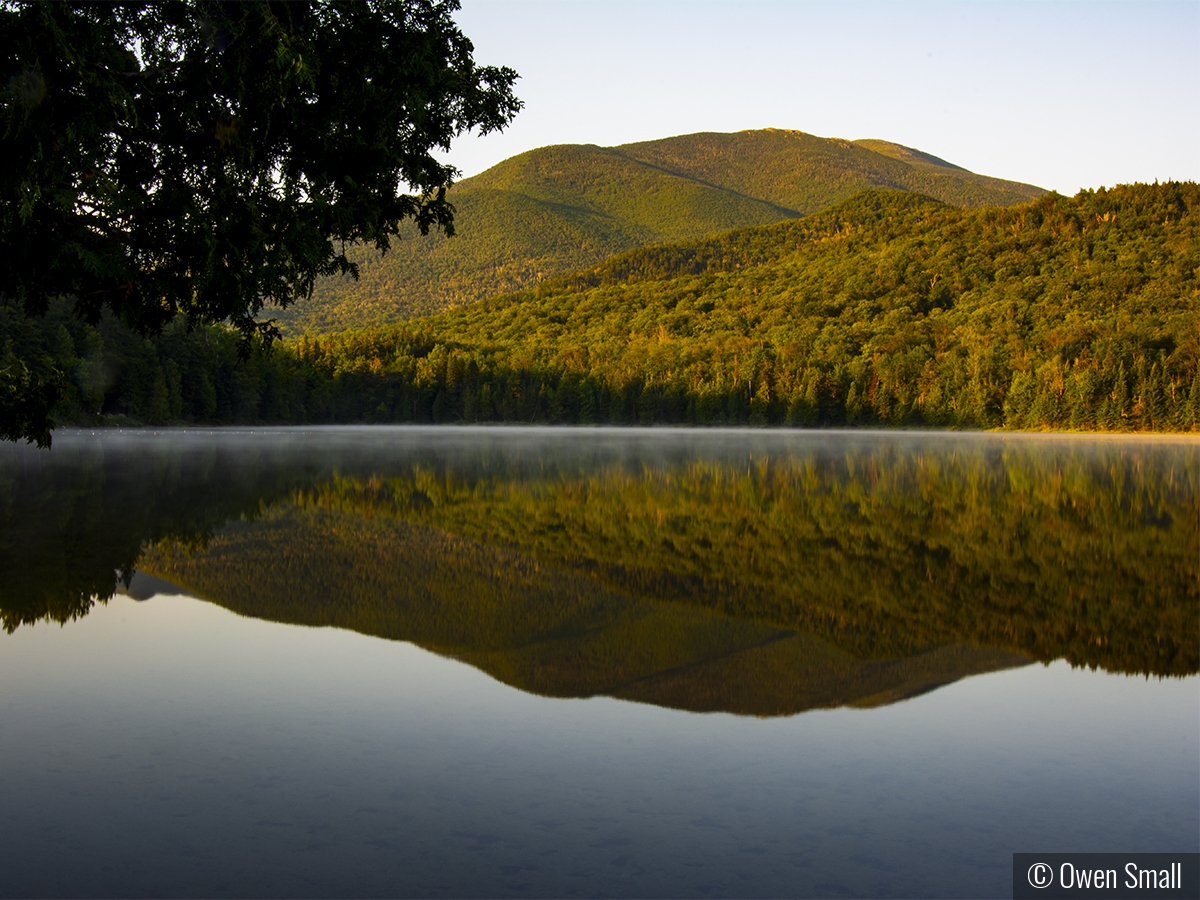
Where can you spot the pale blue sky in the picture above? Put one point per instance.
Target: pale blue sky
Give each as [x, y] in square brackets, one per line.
[1063, 95]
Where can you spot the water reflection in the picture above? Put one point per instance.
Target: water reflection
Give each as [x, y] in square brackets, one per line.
[170, 748]
[756, 573]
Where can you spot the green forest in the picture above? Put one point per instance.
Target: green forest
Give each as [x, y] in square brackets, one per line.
[891, 310]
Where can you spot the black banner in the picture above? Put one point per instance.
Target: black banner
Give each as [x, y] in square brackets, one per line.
[1045, 875]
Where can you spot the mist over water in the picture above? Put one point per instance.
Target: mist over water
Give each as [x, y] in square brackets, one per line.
[591, 662]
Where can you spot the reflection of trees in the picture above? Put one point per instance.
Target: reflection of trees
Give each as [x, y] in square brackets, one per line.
[544, 629]
[73, 521]
[1044, 549]
[884, 548]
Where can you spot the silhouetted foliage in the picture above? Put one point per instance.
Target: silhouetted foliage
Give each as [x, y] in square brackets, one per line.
[204, 159]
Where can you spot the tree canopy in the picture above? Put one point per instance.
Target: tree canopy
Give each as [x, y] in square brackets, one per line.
[209, 159]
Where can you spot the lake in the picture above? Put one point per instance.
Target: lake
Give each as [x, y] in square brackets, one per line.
[448, 662]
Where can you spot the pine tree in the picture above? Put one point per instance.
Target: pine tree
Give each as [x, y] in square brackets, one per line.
[1018, 402]
[854, 405]
[1120, 401]
[1155, 417]
[1194, 403]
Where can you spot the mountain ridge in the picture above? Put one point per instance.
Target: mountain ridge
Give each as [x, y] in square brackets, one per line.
[567, 207]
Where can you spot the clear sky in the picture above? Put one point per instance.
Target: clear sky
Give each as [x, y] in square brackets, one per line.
[1063, 95]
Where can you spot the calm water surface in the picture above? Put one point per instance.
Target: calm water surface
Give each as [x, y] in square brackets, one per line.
[492, 662]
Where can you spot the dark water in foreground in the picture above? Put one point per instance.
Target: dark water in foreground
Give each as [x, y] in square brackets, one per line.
[583, 663]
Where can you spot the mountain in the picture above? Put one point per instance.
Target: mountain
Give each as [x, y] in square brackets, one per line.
[564, 208]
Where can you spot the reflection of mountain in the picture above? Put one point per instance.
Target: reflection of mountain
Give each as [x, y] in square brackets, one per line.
[885, 547]
[539, 628]
[1039, 549]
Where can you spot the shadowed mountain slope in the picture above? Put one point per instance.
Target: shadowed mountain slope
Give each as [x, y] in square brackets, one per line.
[563, 208]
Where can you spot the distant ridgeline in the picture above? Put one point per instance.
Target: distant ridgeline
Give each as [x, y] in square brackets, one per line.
[561, 209]
[890, 309]
[572, 576]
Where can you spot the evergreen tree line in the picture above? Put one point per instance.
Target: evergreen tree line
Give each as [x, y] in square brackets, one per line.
[1115, 390]
[116, 377]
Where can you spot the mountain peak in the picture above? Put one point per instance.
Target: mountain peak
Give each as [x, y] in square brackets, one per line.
[567, 207]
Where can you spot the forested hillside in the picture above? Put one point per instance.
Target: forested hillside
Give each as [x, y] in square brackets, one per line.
[891, 309]
[1079, 313]
[563, 208]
